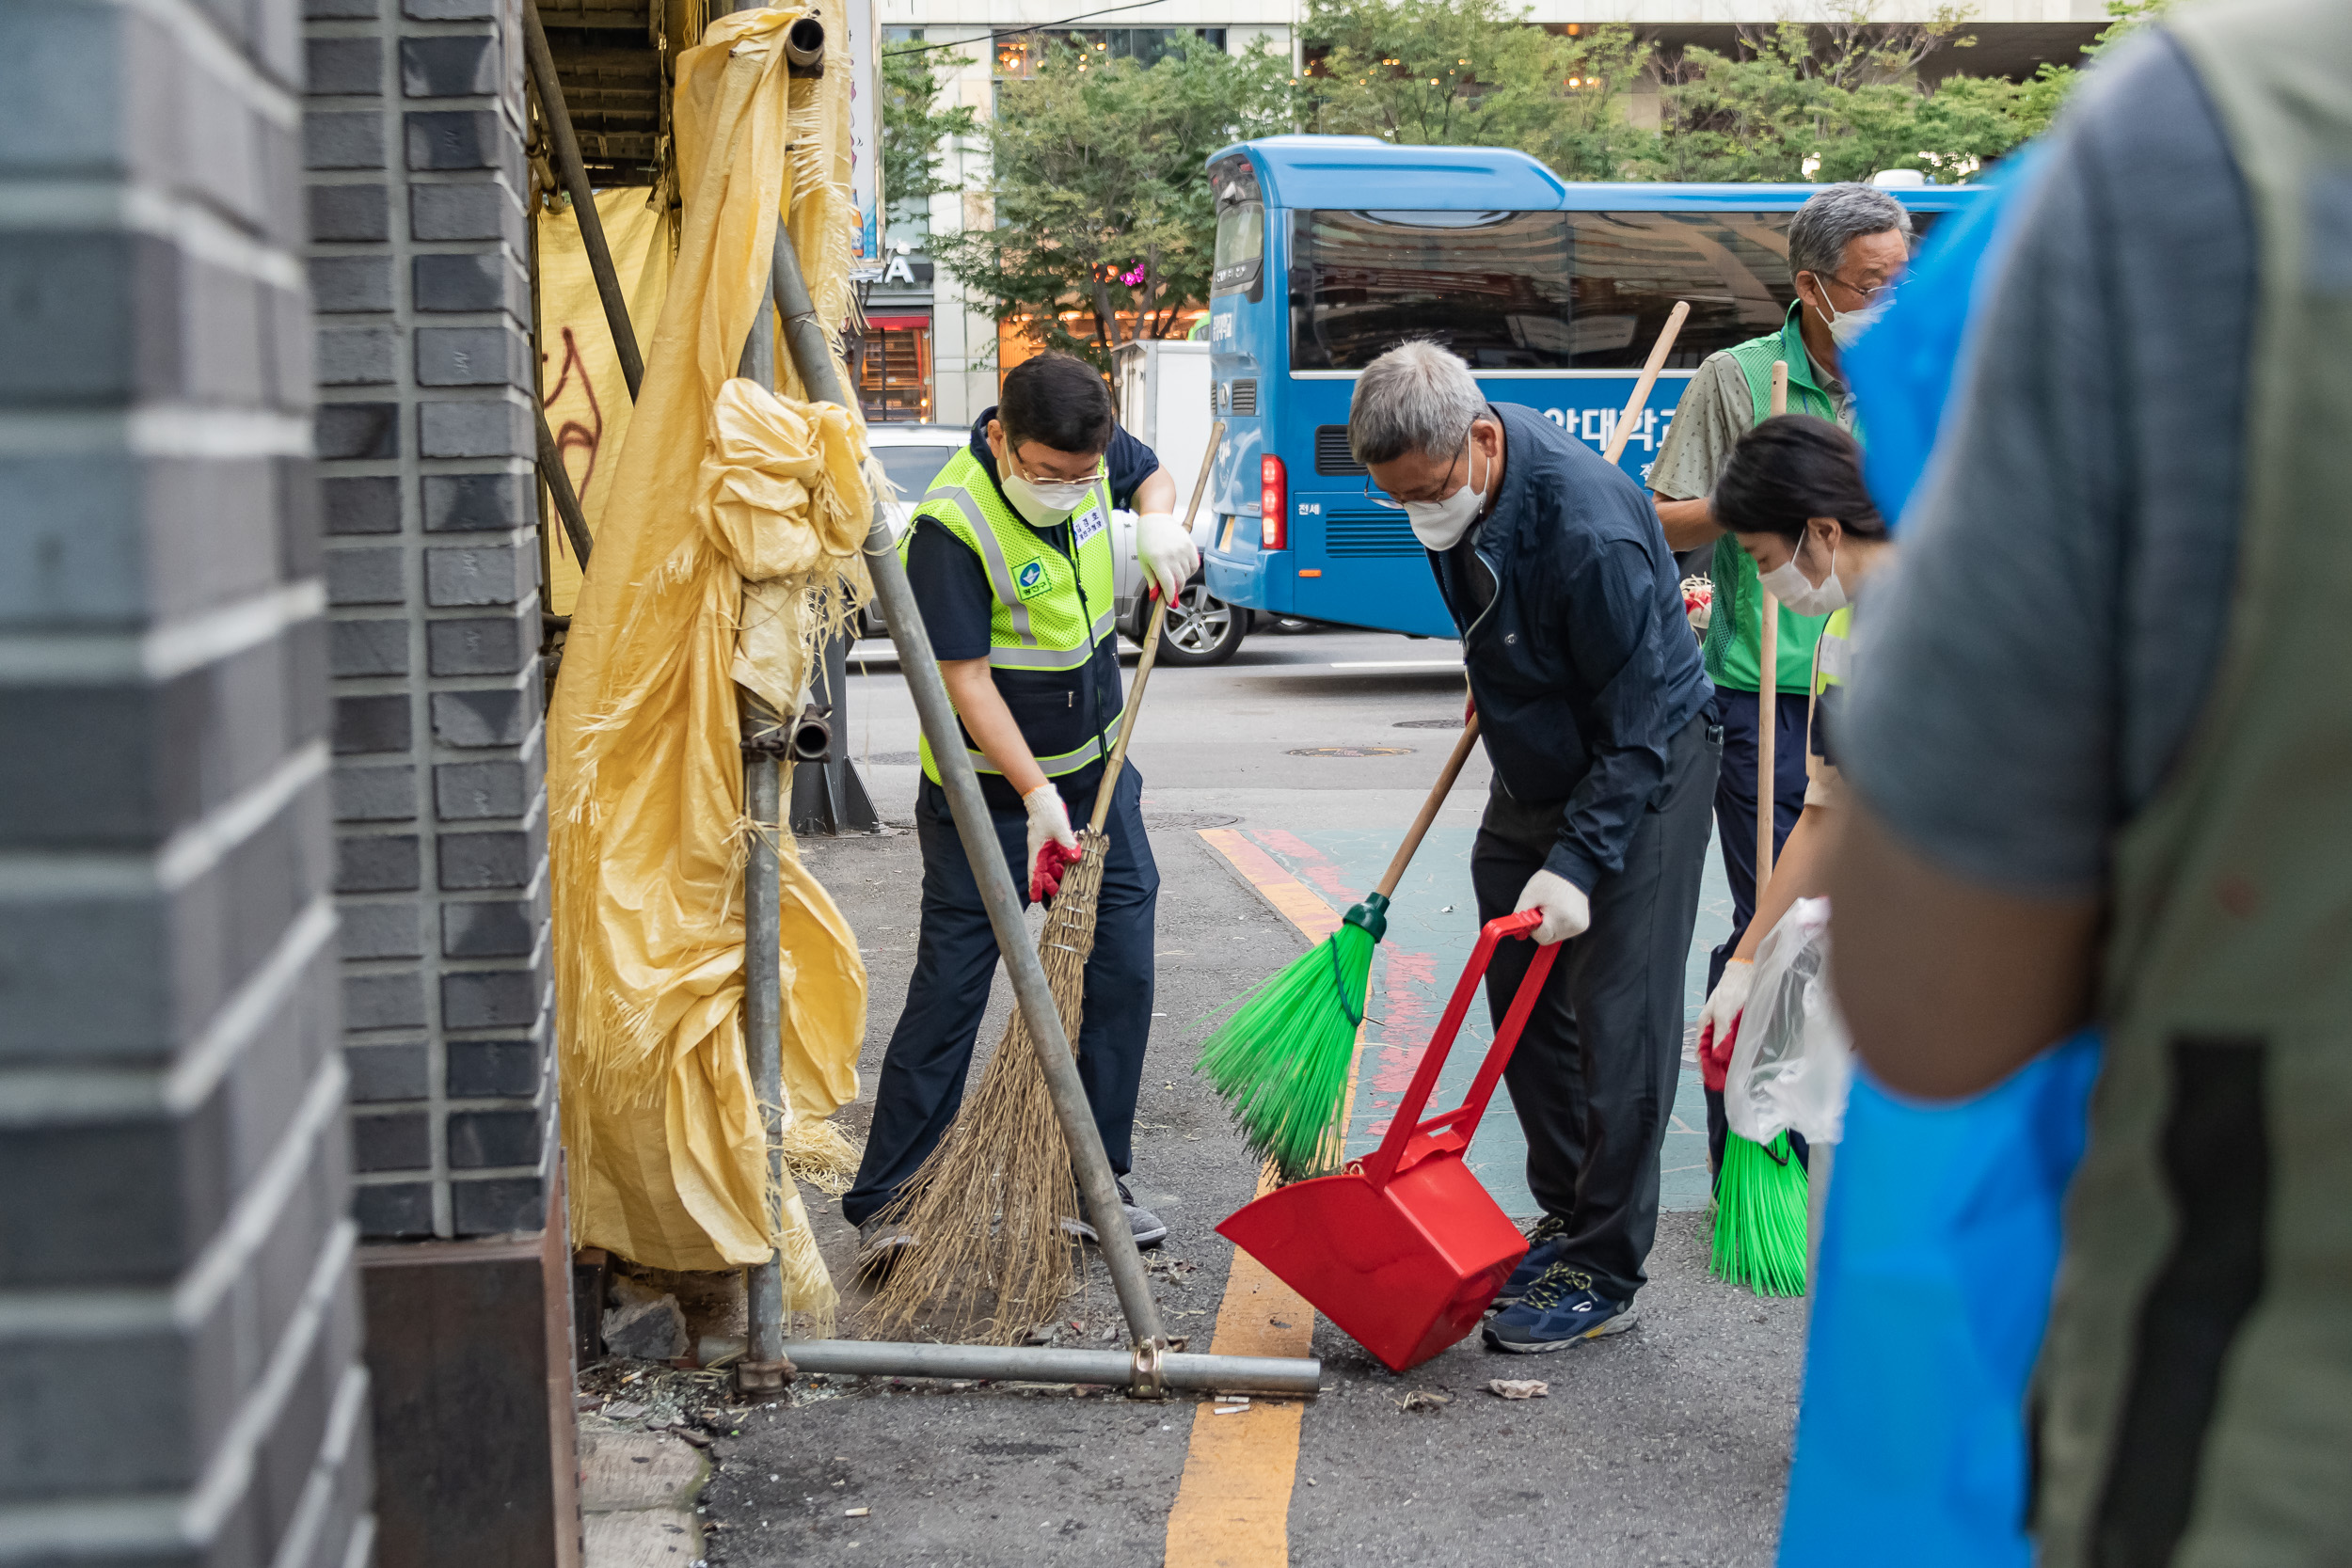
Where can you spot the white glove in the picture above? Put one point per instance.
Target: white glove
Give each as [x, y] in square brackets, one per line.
[1168, 555]
[1053, 848]
[1728, 998]
[1567, 911]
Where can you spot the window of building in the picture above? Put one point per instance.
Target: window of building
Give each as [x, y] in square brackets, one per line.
[894, 369]
[1018, 54]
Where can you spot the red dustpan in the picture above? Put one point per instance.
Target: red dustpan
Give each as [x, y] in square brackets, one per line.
[1405, 1249]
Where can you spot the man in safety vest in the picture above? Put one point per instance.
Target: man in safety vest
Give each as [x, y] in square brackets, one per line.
[2101, 769]
[1848, 246]
[1009, 558]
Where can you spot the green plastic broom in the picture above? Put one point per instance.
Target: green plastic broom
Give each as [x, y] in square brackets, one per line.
[1280, 1062]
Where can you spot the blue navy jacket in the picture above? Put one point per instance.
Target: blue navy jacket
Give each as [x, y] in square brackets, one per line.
[1583, 666]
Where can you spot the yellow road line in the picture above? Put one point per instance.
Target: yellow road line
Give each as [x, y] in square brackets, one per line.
[1233, 1502]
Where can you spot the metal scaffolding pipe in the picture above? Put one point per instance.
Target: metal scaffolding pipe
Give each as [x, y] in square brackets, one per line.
[764, 1364]
[812, 357]
[1239, 1374]
[573, 174]
[559, 482]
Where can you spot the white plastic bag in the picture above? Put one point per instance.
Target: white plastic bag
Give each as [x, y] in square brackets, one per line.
[1793, 1061]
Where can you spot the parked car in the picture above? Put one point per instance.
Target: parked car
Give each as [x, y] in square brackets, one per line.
[1200, 630]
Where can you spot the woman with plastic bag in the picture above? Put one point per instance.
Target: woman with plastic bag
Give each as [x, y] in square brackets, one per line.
[1792, 494]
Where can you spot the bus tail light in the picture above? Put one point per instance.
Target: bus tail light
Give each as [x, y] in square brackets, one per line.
[1274, 500]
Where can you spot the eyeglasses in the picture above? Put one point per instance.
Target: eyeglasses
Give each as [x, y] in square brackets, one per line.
[1867, 296]
[1380, 498]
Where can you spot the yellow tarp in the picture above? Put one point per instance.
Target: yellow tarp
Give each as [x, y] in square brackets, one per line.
[718, 485]
[586, 396]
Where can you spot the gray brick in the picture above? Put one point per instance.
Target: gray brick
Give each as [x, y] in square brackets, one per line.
[481, 718]
[478, 575]
[381, 931]
[350, 213]
[384, 1001]
[503, 929]
[345, 66]
[498, 427]
[396, 1210]
[366, 504]
[370, 429]
[367, 647]
[462, 65]
[351, 282]
[483, 1140]
[376, 794]
[469, 212]
[494, 1069]
[449, 10]
[478, 791]
[397, 1140]
[376, 575]
[339, 10]
[66, 336]
[490, 860]
[381, 1072]
[491, 998]
[477, 281]
[469, 356]
[458, 139]
[358, 355]
[380, 862]
[365, 724]
[455, 503]
[500, 645]
[351, 139]
[500, 1206]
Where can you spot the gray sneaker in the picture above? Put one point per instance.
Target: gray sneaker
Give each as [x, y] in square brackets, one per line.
[881, 1245]
[1149, 1229]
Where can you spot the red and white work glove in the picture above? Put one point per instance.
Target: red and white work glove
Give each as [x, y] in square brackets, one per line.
[1053, 848]
[1567, 911]
[1168, 555]
[1719, 1021]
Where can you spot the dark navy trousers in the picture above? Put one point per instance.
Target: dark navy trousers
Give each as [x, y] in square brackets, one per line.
[955, 961]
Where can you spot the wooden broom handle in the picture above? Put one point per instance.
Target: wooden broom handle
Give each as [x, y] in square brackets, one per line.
[1633, 405]
[1151, 648]
[1767, 689]
[1443, 787]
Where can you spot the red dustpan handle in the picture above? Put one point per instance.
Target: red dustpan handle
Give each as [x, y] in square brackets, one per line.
[1382, 1167]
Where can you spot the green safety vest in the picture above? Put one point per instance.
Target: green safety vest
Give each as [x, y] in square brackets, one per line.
[1734, 647]
[1046, 615]
[2194, 1402]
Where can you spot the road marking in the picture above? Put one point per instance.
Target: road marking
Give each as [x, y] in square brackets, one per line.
[1233, 1502]
[1399, 664]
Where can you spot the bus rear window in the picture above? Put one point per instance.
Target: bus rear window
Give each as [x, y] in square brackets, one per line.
[1533, 291]
[1240, 248]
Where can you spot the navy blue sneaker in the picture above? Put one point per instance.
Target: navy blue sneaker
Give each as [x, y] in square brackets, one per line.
[1539, 1250]
[1560, 1309]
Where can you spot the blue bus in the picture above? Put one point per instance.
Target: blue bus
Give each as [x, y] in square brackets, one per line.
[1332, 249]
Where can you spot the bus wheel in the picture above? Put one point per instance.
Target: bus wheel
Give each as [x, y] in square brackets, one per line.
[1201, 630]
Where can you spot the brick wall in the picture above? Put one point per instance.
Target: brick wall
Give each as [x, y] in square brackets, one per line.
[177, 1373]
[413, 144]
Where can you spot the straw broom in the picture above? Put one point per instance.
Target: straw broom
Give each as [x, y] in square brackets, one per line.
[1280, 1062]
[1760, 1193]
[992, 1210]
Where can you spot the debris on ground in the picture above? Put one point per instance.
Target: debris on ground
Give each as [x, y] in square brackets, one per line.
[1422, 1398]
[1519, 1388]
[643, 1324]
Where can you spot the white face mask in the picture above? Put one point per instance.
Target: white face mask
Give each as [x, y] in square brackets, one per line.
[1846, 327]
[1048, 503]
[1788, 583]
[1441, 524]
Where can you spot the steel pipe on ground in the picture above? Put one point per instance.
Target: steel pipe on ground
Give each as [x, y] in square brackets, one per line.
[1236, 1375]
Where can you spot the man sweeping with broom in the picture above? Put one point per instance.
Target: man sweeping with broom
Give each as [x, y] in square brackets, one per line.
[1591, 700]
[1010, 559]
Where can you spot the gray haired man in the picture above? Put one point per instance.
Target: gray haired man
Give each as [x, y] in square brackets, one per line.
[1591, 702]
[1848, 246]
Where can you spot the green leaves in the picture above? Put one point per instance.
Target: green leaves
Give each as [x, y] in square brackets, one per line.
[913, 125]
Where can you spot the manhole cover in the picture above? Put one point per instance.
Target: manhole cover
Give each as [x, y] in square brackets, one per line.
[1352, 752]
[1187, 819]
[896, 759]
[1426, 724]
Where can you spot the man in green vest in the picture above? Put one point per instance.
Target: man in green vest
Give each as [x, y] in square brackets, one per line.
[1010, 559]
[2101, 768]
[1848, 246]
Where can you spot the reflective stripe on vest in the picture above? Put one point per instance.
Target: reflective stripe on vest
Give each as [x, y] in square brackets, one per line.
[1833, 656]
[1060, 762]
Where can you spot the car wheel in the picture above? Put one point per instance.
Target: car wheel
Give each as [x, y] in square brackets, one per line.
[1201, 630]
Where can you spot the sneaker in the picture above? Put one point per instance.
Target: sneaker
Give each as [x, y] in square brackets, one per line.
[881, 1245]
[1539, 1250]
[1149, 1229]
[1560, 1309]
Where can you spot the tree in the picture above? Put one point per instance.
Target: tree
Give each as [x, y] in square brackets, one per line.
[1101, 197]
[914, 127]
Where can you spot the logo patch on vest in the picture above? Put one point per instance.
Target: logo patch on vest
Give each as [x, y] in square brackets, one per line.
[1032, 581]
[1088, 523]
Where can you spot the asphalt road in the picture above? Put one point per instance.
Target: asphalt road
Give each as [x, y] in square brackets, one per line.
[1665, 1445]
